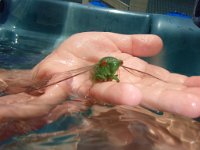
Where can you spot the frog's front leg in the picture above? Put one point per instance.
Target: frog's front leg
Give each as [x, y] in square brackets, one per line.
[115, 77]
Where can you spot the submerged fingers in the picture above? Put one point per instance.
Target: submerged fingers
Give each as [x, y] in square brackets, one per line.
[21, 106]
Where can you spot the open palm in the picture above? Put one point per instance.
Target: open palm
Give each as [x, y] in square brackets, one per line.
[174, 93]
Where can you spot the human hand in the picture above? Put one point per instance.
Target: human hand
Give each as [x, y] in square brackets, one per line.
[178, 95]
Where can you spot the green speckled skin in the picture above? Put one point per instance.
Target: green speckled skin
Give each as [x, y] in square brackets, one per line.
[105, 69]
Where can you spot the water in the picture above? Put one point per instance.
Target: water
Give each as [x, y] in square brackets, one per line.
[78, 125]
[110, 128]
[23, 51]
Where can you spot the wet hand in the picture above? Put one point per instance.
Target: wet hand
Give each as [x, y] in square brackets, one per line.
[178, 94]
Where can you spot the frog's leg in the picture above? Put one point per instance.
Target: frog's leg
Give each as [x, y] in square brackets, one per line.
[115, 77]
[100, 78]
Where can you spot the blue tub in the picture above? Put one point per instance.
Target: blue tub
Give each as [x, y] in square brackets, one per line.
[31, 29]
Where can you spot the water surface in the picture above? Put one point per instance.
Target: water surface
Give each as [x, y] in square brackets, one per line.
[110, 128]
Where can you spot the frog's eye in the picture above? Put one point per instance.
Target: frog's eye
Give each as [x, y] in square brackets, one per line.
[103, 63]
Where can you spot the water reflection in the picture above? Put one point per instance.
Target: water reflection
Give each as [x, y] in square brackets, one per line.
[110, 128]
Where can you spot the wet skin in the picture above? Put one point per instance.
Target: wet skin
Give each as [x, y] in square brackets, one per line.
[180, 94]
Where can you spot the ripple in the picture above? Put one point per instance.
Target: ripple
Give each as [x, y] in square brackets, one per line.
[117, 128]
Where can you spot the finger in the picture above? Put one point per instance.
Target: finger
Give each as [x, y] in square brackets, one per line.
[25, 106]
[193, 81]
[116, 93]
[140, 45]
[55, 94]
[22, 105]
[89, 43]
[135, 64]
[164, 74]
[175, 101]
[22, 110]
[193, 90]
